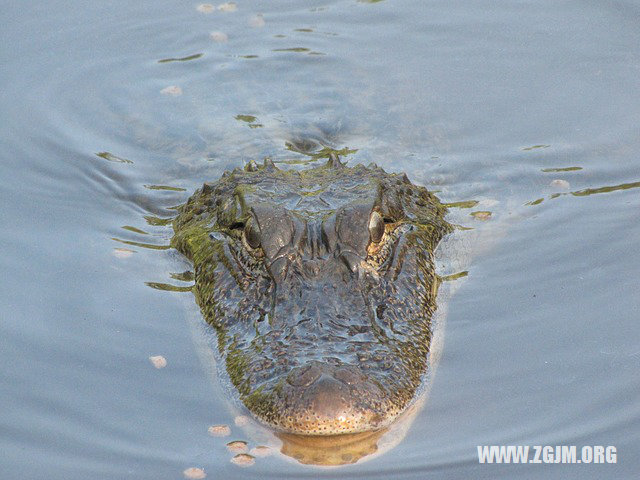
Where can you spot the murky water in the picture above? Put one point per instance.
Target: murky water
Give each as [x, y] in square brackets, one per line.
[114, 112]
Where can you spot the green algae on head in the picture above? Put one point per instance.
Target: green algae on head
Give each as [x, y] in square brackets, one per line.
[320, 284]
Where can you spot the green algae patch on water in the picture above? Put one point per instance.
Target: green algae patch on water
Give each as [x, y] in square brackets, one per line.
[614, 188]
[454, 276]
[164, 187]
[250, 120]
[157, 221]
[561, 169]
[134, 230]
[188, 58]
[535, 147]
[463, 204]
[186, 276]
[110, 157]
[292, 49]
[142, 245]
[167, 287]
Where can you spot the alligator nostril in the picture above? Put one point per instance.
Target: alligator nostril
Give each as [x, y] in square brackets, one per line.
[279, 268]
[328, 398]
[348, 375]
[305, 376]
[351, 260]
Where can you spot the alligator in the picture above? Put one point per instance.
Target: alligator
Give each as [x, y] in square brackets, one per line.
[320, 285]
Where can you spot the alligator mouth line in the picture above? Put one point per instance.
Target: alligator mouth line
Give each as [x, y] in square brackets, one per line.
[321, 399]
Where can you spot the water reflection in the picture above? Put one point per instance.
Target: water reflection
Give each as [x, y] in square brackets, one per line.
[331, 450]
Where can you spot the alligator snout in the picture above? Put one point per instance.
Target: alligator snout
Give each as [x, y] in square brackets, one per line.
[323, 399]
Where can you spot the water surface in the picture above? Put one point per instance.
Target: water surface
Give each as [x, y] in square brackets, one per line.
[114, 112]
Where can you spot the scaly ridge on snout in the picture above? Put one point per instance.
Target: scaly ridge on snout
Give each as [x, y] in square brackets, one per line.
[320, 284]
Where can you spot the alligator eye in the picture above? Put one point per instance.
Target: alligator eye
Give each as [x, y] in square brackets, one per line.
[376, 227]
[252, 234]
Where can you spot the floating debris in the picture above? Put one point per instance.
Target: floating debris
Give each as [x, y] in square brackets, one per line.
[237, 446]
[256, 21]
[560, 184]
[261, 451]
[173, 90]
[158, 361]
[481, 215]
[241, 420]
[219, 37]
[219, 430]
[227, 7]
[243, 460]
[194, 473]
[205, 8]
[122, 252]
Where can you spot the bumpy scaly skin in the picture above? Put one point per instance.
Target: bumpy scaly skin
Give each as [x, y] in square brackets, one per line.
[322, 312]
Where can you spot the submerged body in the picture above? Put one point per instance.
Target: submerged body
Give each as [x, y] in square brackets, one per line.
[321, 286]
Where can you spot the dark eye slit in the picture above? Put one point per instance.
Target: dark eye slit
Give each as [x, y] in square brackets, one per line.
[236, 225]
[388, 220]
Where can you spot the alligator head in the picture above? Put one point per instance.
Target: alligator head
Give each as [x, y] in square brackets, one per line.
[320, 284]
